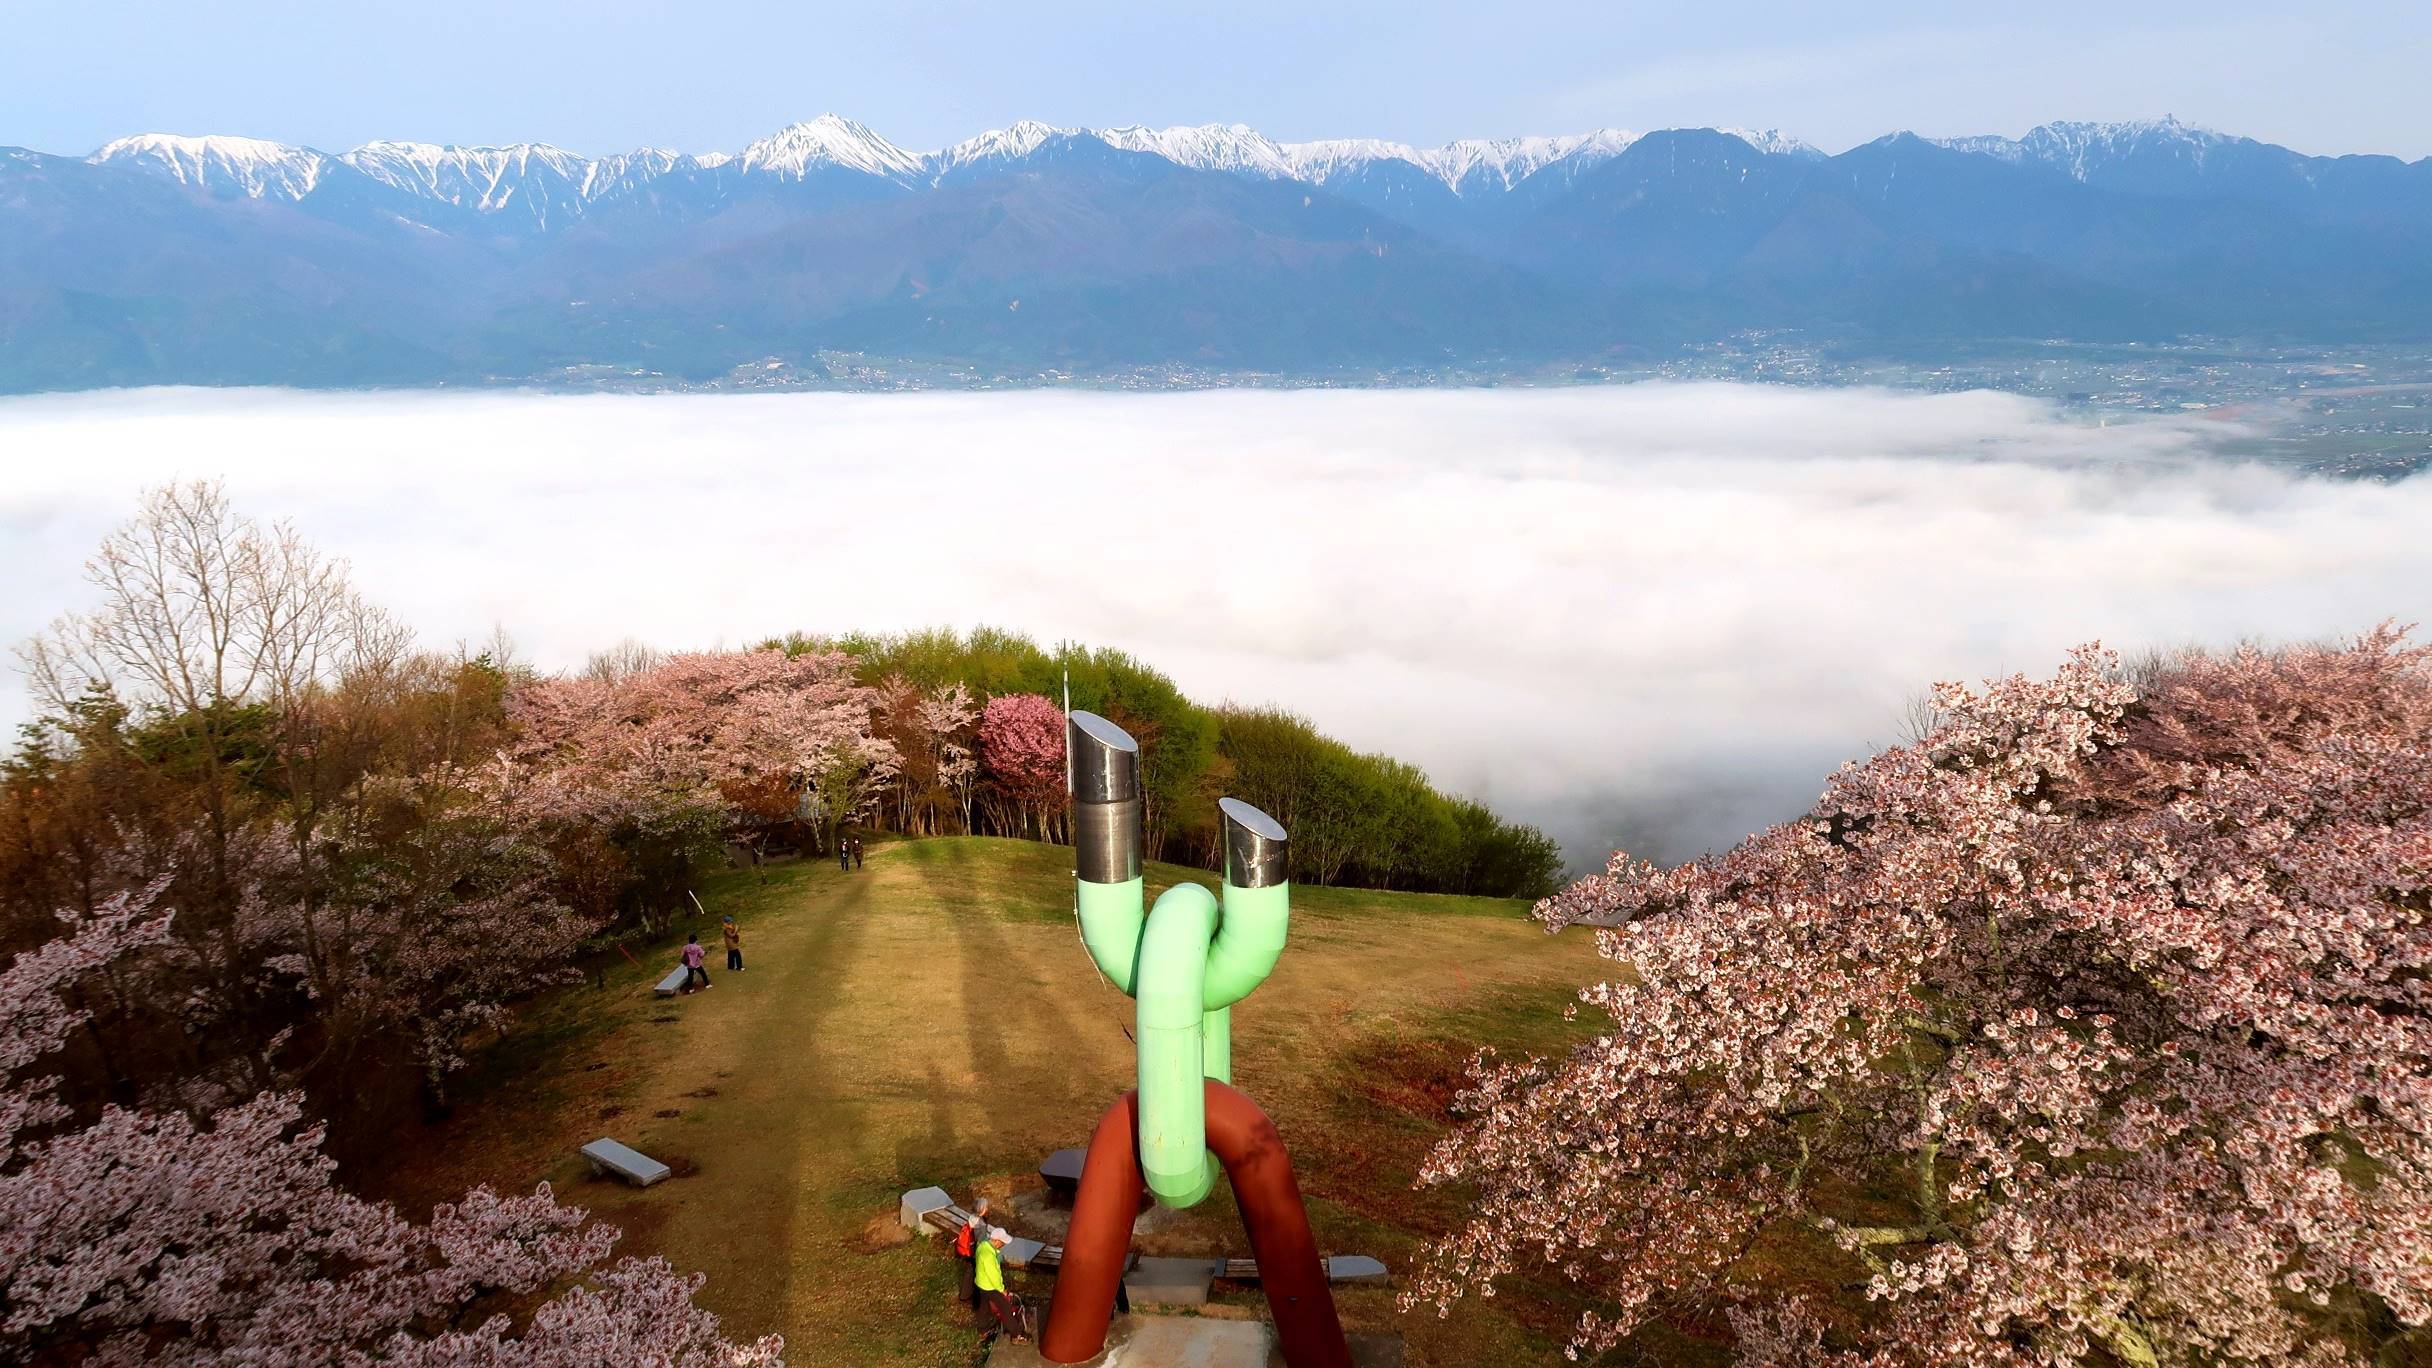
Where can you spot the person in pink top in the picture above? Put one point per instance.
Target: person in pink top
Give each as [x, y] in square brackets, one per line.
[693, 957]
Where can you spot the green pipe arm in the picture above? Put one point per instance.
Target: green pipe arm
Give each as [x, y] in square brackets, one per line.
[1112, 921]
[1248, 941]
[1216, 1044]
[1172, 986]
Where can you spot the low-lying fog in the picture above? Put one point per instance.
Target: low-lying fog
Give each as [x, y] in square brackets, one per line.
[1653, 615]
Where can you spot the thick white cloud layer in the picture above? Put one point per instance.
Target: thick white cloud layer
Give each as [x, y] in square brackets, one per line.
[1653, 615]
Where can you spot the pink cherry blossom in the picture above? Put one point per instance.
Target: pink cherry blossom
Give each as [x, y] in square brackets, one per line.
[144, 1236]
[2094, 1028]
[1022, 752]
[654, 746]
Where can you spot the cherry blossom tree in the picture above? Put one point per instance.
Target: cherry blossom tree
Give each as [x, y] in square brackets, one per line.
[947, 715]
[2093, 1028]
[231, 720]
[233, 732]
[140, 1236]
[1022, 748]
[928, 731]
[439, 920]
[654, 751]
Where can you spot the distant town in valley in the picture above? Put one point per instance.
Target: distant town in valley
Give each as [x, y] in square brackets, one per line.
[2348, 412]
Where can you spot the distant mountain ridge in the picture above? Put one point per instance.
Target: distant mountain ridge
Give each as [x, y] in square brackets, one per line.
[1036, 248]
[488, 178]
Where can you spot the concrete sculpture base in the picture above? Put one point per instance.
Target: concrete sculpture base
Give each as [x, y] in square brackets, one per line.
[1140, 1341]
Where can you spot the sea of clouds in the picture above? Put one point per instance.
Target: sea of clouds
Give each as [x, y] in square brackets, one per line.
[1654, 616]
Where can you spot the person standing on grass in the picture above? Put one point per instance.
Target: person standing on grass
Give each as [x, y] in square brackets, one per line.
[988, 1274]
[844, 852]
[857, 852]
[734, 946]
[693, 957]
[966, 1253]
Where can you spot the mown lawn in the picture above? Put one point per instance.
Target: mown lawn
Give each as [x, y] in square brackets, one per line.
[932, 1018]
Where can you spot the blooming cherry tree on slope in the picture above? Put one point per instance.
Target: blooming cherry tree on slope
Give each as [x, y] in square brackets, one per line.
[144, 1237]
[654, 745]
[1022, 751]
[946, 715]
[2094, 1028]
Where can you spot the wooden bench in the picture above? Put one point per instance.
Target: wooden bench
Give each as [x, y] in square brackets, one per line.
[673, 983]
[949, 1219]
[926, 1209]
[1019, 1252]
[626, 1162]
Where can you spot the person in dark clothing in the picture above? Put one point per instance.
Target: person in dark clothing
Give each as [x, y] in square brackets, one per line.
[857, 852]
[844, 853]
[966, 1253]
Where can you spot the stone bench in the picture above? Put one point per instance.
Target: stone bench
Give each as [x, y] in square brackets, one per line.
[1171, 1282]
[1357, 1268]
[924, 1207]
[1061, 1171]
[672, 984]
[1342, 1268]
[626, 1162]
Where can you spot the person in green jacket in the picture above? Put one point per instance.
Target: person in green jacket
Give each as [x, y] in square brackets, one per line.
[988, 1274]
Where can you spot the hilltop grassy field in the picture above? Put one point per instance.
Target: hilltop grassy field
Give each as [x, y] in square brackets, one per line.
[932, 1018]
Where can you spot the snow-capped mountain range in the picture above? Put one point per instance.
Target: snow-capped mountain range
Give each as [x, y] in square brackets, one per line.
[2078, 149]
[546, 183]
[1046, 249]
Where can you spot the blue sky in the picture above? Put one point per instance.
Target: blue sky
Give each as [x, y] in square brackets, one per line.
[606, 75]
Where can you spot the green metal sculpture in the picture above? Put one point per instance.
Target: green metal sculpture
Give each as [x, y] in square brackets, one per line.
[1185, 962]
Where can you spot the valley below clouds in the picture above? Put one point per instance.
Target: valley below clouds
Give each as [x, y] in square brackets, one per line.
[1654, 616]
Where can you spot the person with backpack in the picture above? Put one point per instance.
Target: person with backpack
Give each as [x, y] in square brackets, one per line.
[693, 957]
[734, 946]
[966, 1254]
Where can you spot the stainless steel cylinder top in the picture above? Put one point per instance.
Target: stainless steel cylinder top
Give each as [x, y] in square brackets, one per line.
[1105, 760]
[1256, 850]
[1106, 836]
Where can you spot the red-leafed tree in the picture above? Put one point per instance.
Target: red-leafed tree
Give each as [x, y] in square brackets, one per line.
[2095, 1028]
[1022, 753]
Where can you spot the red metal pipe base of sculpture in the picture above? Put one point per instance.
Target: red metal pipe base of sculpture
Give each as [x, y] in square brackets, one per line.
[1095, 1250]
